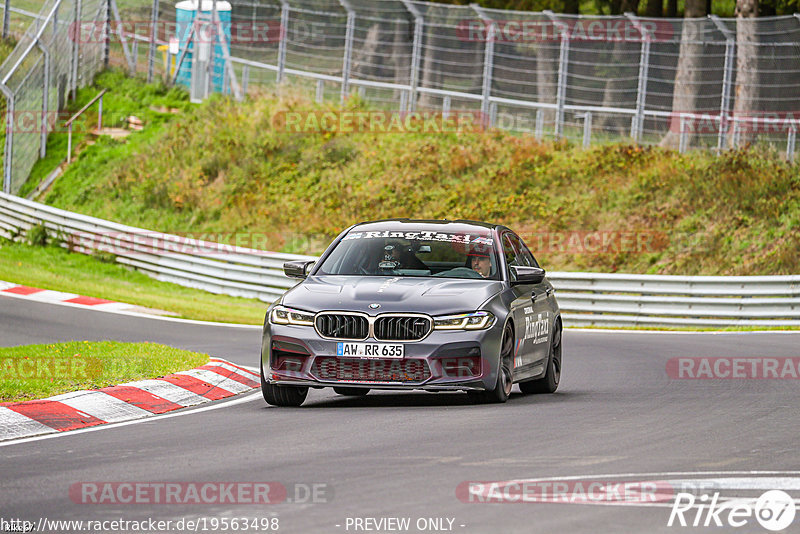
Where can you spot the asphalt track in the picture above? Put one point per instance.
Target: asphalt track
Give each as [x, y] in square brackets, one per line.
[404, 455]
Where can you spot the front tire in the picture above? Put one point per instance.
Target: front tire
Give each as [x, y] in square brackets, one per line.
[549, 382]
[282, 395]
[502, 388]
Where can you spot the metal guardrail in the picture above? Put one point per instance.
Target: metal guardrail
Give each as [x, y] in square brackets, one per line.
[586, 299]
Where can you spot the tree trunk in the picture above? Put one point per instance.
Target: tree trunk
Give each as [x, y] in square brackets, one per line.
[654, 8]
[572, 7]
[688, 72]
[746, 94]
[672, 9]
[613, 96]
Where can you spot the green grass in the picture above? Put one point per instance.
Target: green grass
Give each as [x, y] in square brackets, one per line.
[51, 267]
[36, 371]
[223, 168]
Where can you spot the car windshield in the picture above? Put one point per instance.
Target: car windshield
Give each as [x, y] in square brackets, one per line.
[419, 251]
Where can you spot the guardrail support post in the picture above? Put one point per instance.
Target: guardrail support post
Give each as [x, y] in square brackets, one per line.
[563, 66]
[419, 27]
[727, 78]
[492, 114]
[151, 53]
[488, 62]
[637, 124]
[790, 140]
[445, 107]
[284, 37]
[348, 48]
[245, 78]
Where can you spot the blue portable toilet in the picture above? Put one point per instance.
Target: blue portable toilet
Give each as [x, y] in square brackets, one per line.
[185, 16]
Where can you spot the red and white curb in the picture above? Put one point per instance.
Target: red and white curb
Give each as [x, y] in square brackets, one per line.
[216, 380]
[47, 295]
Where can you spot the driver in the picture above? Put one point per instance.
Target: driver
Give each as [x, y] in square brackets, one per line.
[480, 262]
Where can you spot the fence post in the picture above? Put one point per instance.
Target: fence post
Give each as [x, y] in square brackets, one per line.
[151, 53]
[45, 98]
[348, 48]
[121, 34]
[488, 60]
[727, 78]
[445, 107]
[587, 129]
[73, 71]
[790, 140]
[320, 94]
[416, 46]
[245, 78]
[284, 36]
[683, 137]
[637, 125]
[9, 145]
[539, 127]
[563, 65]
[6, 18]
[107, 34]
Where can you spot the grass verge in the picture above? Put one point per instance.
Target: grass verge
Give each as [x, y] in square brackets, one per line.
[32, 372]
[51, 267]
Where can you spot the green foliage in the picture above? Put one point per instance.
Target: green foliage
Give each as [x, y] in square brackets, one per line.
[37, 235]
[224, 167]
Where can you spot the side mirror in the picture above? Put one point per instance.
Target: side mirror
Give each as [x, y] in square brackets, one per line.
[297, 269]
[526, 275]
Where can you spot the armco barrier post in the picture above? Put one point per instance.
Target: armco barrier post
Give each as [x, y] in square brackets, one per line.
[563, 66]
[151, 53]
[348, 48]
[790, 140]
[727, 77]
[416, 46]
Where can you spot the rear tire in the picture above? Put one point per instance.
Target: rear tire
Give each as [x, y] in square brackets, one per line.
[351, 391]
[549, 382]
[282, 395]
[502, 388]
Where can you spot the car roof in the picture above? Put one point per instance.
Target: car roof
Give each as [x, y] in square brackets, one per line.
[452, 225]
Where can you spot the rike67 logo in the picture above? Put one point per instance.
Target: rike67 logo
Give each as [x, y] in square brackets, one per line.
[774, 510]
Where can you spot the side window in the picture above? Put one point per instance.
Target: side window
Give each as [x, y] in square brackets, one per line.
[524, 255]
[509, 250]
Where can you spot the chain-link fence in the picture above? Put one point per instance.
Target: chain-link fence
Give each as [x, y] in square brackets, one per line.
[36, 79]
[684, 83]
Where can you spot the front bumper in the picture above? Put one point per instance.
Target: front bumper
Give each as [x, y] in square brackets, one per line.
[443, 361]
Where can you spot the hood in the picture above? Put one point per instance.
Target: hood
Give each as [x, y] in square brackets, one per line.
[434, 296]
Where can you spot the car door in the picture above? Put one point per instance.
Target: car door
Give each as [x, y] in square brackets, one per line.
[521, 307]
[537, 316]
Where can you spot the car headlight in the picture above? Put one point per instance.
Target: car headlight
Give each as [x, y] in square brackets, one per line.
[464, 321]
[284, 315]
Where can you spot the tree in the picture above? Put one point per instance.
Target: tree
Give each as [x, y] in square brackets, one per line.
[746, 94]
[684, 94]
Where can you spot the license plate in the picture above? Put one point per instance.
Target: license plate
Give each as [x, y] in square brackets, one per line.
[370, 350]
